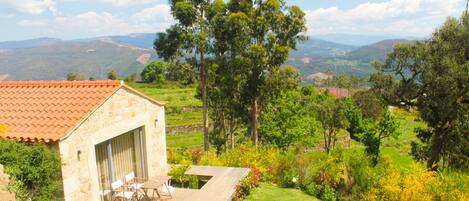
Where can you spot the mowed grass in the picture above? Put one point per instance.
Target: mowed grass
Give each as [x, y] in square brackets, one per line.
[185, 140]
[269, 192]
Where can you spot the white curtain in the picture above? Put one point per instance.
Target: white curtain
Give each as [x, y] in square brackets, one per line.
[126, 157]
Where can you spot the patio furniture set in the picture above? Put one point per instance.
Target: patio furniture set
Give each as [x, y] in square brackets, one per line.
[138, 189]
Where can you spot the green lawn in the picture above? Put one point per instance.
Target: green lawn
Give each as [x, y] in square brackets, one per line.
[185, 140]
[402, 160]
[268, 192]
[398, 149]
[407, 124]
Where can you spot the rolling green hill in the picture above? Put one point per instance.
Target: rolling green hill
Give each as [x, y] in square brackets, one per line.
[376, 51]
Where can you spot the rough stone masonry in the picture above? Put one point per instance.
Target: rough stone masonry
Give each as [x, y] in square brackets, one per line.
[4, 194]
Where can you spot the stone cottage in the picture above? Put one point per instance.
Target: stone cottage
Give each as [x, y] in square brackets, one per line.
[103, 130]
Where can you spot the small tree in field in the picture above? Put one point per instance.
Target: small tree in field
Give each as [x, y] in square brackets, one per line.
[332, 116]
[112, 75]
[75, 76]
[154, 72]
[286, 120]
[374, 133]
[369, 103]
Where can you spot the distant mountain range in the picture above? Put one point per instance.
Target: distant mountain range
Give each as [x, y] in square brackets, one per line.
[361, 40]
[52, 59]
[28, 43]
[322, 56]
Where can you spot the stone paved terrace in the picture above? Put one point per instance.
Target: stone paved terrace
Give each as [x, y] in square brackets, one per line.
[221, 187]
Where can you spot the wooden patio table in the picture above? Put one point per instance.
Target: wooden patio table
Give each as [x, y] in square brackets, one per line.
[154, 184]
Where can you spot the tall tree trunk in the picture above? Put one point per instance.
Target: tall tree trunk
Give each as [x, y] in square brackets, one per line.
[435, 152]
[326, 144]
[254, 112]
[231, 134]
[203, 81]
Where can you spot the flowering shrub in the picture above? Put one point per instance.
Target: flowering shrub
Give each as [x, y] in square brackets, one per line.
[261, 159]
[418, 184]
[210, 158]
[248, 183]
[343, 174]
[184, 156]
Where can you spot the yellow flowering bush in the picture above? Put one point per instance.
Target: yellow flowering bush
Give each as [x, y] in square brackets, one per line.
[210, 158]
[417, 184]
[3, 129]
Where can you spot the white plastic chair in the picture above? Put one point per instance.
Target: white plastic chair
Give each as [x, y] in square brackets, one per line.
[120, 192]
[133, 182]
[167, 189]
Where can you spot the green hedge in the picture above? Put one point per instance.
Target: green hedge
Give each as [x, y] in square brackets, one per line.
[34, 170]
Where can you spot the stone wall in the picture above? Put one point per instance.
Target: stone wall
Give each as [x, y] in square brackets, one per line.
[4, 194]
[122, 112]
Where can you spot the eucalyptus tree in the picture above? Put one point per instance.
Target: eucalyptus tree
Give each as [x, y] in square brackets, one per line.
[272, 30]
[189, 38]
[228, 37]
[245, 40]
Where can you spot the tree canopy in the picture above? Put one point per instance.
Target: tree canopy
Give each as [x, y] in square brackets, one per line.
[237, 46]
[112, 75]
[154, 72]
[433, 76]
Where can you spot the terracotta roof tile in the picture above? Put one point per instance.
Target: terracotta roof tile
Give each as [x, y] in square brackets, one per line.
[337, 92]
[48, 110]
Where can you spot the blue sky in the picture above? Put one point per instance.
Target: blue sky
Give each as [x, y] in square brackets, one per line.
[72, 19]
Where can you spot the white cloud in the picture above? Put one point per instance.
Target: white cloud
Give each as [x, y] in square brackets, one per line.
[33, 7]
[396, 17]
[127, 2]
[31, 23]
[91, 23]
[153, 19]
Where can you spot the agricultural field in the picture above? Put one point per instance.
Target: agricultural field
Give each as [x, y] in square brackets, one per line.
[183, 112]
[182, 106]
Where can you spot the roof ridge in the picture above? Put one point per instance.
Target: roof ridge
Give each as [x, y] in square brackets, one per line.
[60, 83]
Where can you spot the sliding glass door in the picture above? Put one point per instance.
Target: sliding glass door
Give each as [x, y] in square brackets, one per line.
[118, 157]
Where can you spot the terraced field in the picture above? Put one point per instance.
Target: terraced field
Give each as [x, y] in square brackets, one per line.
[183, 112]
